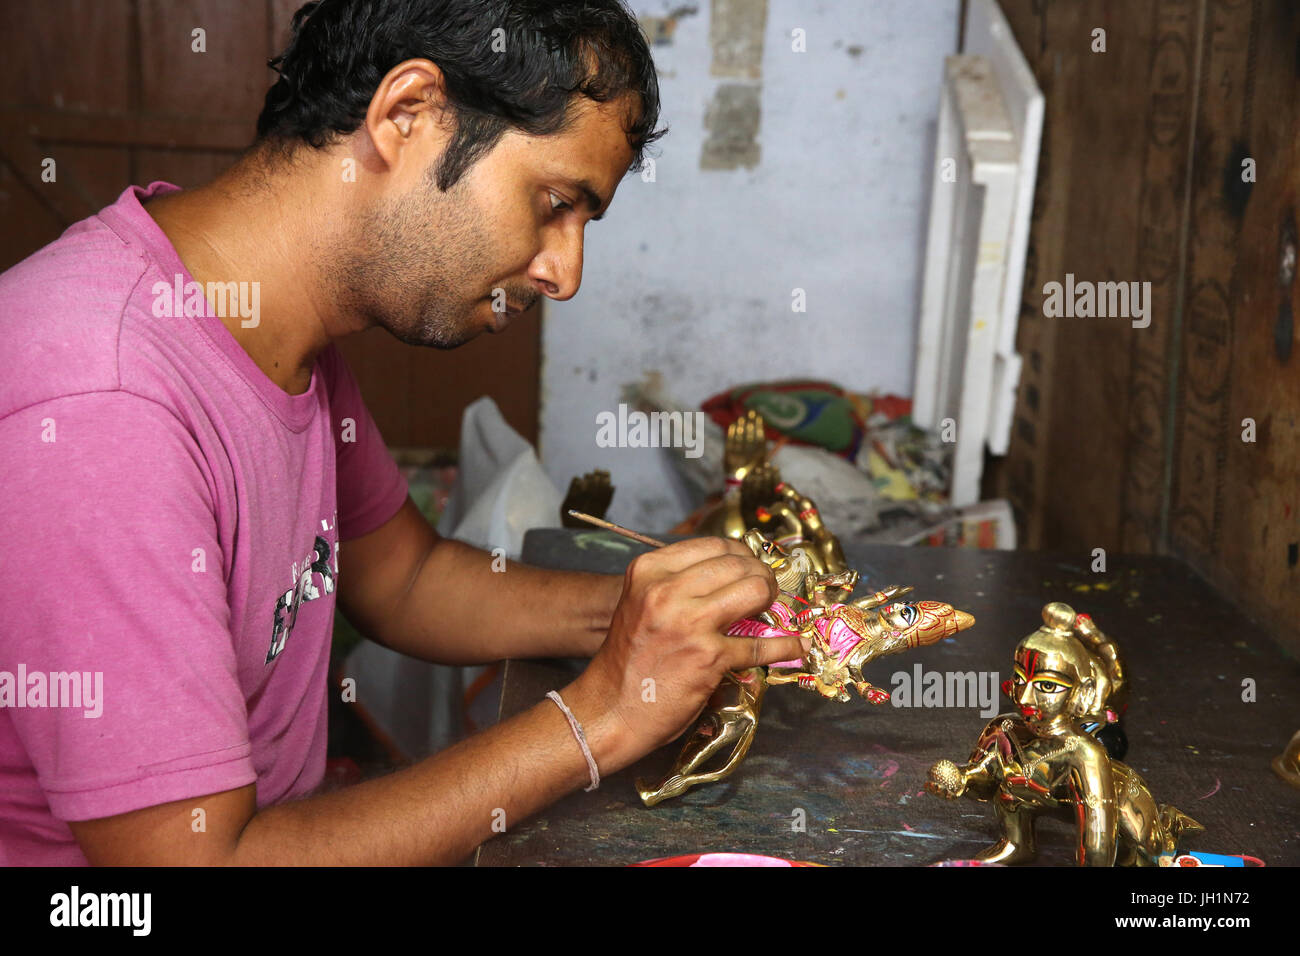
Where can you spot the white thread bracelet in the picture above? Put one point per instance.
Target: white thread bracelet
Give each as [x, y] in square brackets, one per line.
[581, 738]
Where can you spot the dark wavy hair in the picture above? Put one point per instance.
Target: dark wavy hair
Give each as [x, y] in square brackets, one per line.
[554, 51]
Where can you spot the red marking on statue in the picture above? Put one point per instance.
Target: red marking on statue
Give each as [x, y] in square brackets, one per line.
[1020, 780]
[1079, 813]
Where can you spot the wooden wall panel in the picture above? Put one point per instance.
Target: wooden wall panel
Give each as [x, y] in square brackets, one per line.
[1131, 439]
[1093, 355]
[1224, 95]
[1022, 475]
[1161, 236]
[19, 205]
[1235, 503]
[228, 80]
[184, 168]
[1067, 468]
[281, 16]
[417, 396]
[103, 171]
[67, 54]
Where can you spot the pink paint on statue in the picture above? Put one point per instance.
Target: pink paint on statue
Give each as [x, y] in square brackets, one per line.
[834, 630]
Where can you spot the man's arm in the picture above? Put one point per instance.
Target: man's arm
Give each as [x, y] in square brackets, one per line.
[435, 812]
[667, 628]
[409, 589]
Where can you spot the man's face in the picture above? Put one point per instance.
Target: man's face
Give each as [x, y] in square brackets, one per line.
[438, 268]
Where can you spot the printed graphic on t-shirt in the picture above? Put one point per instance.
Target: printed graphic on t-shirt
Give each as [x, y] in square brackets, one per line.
[314, 565]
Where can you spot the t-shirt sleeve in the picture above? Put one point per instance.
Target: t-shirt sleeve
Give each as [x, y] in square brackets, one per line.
[113, 572]
[370, 486]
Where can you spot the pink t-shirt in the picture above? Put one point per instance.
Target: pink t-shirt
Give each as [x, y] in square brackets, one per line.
[169, 529]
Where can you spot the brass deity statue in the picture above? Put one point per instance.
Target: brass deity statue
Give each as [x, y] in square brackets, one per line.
[756, 497]
[745, 450]
[843, 638]
[1069, 683]
[1287, 764]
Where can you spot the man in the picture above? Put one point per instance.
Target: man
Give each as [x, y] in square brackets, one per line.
[177, 476]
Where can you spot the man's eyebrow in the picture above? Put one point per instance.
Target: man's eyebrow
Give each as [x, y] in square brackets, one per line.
[592, 197]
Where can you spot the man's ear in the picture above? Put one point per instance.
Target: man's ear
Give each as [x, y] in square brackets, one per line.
[409, 105]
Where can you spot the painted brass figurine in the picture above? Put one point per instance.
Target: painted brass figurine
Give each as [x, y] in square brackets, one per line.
[745, 450]
[1287, 764]
[756, 497]
[1069, 682]
[790, 518]
[844, 638]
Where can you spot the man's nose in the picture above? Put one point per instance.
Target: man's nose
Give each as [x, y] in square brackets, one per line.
[557, 269]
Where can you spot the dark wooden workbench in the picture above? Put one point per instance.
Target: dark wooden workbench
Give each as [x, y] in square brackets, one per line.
[857, 770]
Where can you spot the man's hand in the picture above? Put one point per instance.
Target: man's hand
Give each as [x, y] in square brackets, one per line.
[666, 651]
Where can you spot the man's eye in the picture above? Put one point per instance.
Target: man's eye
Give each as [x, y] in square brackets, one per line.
[1049, 687]
[558, 204]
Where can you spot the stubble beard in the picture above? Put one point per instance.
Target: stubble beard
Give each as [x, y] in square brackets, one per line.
[417, 263]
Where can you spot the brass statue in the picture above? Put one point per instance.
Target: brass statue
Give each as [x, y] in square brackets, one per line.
[844, 638]
[590, 493]
[745, 450]
[801, 522]
[1287, 764]
[1069, 683]
[756, 497]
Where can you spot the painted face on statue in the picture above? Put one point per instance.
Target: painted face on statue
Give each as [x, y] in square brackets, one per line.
[1041, 685]
[925, 622]
[789, 569]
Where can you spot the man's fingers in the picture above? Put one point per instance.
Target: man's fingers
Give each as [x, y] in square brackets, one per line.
[682, 554]
[712, 575]
[740, 597]
[742, 652]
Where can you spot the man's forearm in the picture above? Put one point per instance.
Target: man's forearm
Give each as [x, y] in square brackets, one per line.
[465, 606]
[439, 810]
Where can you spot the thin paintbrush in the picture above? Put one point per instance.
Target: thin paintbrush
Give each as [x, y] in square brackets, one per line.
[617, 529]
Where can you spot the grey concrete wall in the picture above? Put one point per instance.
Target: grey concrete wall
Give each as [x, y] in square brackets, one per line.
[783, 170]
